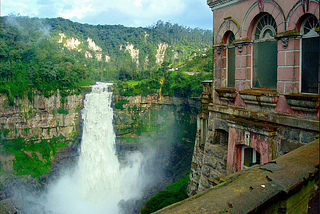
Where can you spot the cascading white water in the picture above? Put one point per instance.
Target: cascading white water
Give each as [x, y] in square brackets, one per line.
[98, 183]
[99, 168]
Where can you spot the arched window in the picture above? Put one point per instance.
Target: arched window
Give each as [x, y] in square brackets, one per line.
[231, 60]
[265, 53]
[310, 55]
[265, 28]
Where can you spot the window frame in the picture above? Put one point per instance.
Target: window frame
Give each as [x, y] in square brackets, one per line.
[255, 64]
[254, 156]
[230, 39]
[309, 35]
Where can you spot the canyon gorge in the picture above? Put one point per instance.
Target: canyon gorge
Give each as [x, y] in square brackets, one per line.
[41, 139]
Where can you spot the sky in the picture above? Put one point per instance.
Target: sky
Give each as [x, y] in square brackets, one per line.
[130, 13]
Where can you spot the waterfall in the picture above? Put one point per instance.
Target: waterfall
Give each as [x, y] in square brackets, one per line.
[99, 182]
[99, 168]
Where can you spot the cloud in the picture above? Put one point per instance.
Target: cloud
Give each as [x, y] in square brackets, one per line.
[45, 2]
[193, 13]
[78, 11]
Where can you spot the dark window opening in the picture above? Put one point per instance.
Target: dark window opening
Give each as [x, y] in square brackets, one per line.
[250, 157]
[222, 137]
[265, 59]
[203, 137]
[310, 65]
[265, 53]
[231, 61]
[231, 66]
[310, 56]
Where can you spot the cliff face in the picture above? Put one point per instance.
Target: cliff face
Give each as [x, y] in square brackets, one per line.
[137, 114]
[165, 122]
[40, 118]
[163, 129]
[37, 133]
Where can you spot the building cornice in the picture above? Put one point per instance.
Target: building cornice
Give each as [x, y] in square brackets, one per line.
[218, 4]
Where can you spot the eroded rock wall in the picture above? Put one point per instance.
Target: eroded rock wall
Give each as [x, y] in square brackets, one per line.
[42, 117]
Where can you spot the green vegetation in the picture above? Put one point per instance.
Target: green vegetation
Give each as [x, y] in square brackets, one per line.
[31, 57]
[176, 84]
[164, 119]
[120, 103]
[63, 111]
[198, 63]
[176, 192]
[32, 157]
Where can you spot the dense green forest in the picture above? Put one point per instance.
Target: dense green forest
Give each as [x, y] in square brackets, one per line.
[34, 54]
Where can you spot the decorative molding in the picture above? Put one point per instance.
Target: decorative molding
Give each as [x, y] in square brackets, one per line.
[285, 42]
[228, 24]
[286, 36]
[219, 50]
[241, 43]
[261, 5]
[305, 5]
[268, 6]
[240, 47]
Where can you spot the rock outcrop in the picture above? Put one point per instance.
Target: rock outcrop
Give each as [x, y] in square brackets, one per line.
[161, 51]
[134, 53]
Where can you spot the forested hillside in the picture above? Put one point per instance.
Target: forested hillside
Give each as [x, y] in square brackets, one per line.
[49, 54]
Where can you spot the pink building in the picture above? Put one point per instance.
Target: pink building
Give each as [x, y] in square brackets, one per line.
[263, 100]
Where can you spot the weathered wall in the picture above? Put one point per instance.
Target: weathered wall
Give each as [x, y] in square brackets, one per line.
[273, 136]
[284, 186]
[248, 118]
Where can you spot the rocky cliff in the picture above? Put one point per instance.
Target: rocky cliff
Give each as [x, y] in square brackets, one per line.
[163, 129]
[40, 117]
[37, 134]
[135, 114]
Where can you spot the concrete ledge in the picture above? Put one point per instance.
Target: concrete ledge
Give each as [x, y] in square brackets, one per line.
[282, 185]
[276, 118]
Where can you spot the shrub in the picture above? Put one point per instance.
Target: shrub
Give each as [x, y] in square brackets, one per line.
[120, 103]
[63, 111]
[176, 192]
